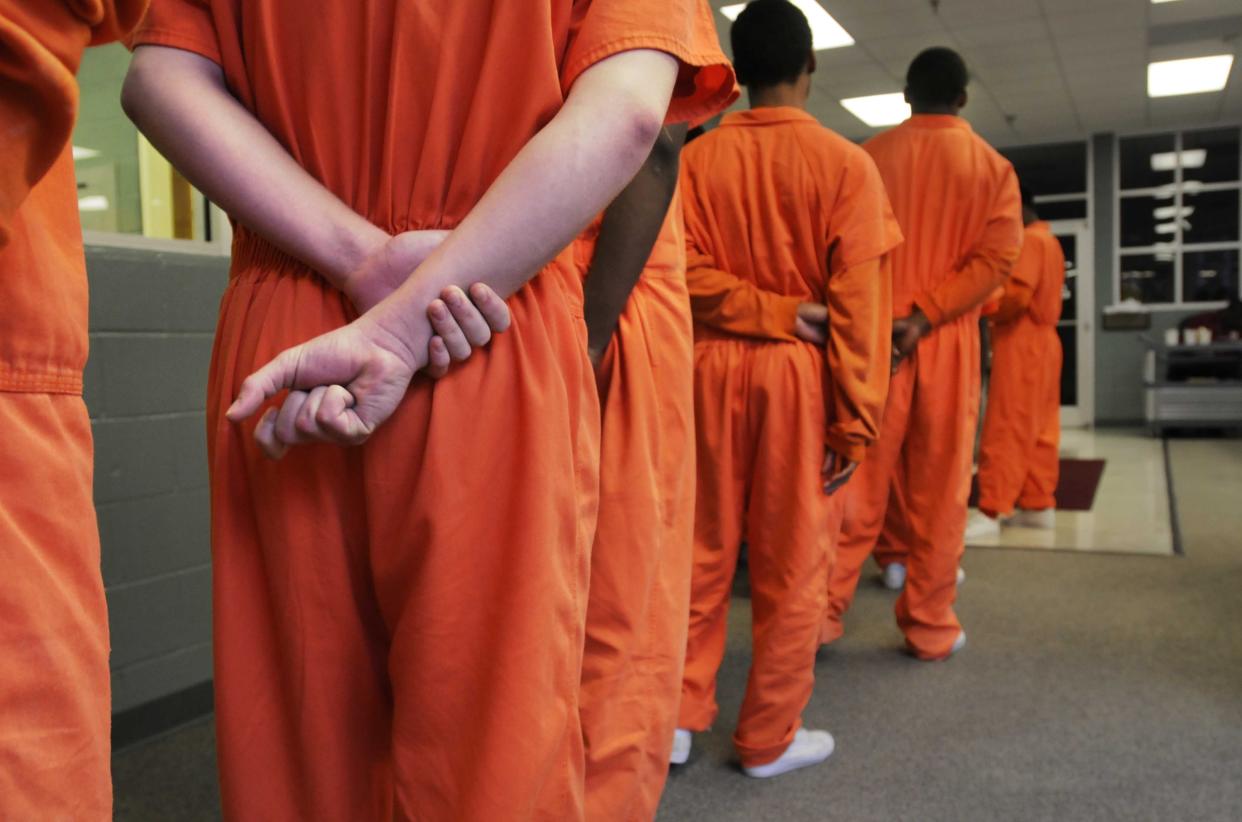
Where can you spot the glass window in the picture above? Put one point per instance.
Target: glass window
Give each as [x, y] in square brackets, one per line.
[1210, 216]
[1211, 156]
[1062, 209]
[1148, 278]
[1147, 221]
[1209, 276]
[1147, 162]
[1059, 168]
[1069, 292]
[124, 185]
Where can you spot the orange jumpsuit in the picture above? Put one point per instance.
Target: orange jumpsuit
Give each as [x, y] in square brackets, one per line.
[403, 622]
[54, 686]
[641, 559]
[958, 205]
[1019, 461]
[779, 211]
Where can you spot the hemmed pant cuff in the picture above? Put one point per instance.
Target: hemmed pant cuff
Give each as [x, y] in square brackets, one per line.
[753, 756]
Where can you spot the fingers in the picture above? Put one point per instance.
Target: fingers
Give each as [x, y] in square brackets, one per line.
[494, 309]
[438, 359]
[324, 414]
[264, 384]
[446, 328]
[469, 318]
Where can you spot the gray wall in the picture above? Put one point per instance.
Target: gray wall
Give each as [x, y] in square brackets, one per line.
[152, 317]
[1119, 355]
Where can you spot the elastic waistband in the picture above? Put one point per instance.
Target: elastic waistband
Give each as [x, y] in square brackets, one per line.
[40, 382]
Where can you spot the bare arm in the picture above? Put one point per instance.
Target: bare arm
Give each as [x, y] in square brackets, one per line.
[568, 172]
[627, 235]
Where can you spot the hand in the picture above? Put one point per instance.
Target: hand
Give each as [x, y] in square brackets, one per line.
[812, 323]
[907, 331]
[388, 266]
[462, 324]
[344, 384]
[837, 471]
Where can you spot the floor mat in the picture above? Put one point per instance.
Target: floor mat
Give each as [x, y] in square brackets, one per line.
[1079, 481]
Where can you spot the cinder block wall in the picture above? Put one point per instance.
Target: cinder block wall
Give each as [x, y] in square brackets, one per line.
[152, 318]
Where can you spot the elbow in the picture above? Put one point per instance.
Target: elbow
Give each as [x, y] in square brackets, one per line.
[136, 89]
[641, 126]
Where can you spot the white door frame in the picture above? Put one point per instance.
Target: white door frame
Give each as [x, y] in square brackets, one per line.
[1082, 415]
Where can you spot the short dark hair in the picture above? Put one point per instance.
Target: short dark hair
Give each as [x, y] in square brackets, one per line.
[1028, 196]
[937, 77]
[771, 43]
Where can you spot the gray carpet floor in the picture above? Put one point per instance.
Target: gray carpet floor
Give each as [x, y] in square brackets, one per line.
[1094, 687]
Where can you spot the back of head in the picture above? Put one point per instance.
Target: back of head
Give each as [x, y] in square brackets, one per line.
[771, 43]
[1029, 213]
[937, 79]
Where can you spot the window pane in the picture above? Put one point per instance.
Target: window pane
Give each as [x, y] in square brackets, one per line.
[1069, 364]
[1062, 210]
[1069, 293]
[1210, 217]
[1147, 278]
[1138, 156]
[1059, 168]
[1209, 276]
[1210, 156]
[1146, 221]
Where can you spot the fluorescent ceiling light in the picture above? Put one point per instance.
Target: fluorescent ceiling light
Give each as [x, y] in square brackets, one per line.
[80, 153]
[1195, 75]
[93, 202]
[1173, 212]
[826, 32]
[1158, 2]
[1167, 160]
[879, 109]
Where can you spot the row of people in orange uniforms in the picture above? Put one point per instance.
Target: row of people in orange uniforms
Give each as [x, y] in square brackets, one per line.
[400, 627]
[54, 682]
[958, 205]
[788, 226]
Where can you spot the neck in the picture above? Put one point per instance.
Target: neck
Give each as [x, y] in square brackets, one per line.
[784, 95]
[950, 110]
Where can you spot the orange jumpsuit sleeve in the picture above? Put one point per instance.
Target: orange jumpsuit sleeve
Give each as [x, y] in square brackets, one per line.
[1023, 281]
[683, 28]
[862, 231]
[987, 264]
[179, 24]
[726, 302]
[41, 45]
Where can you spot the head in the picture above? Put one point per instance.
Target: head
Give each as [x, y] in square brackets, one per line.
[936, 82]
[1029, 214]
[772, 52]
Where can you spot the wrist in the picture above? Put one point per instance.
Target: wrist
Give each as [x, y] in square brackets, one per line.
[352, 249]
[399, 331]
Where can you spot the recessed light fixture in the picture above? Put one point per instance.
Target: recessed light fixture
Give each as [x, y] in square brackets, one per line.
[1195, 75]
[1158, 2]
[1167, 160]
[879, 109]
[80, 153]
[826, 32]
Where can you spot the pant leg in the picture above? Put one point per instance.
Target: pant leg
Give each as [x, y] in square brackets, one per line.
[639, 598]
[1044, 465]
[481, 503]
[893, 542]
[303, 706]
[721, 380]
[936, 465]
[864, 502]
[789, 545]
[1011, 423]
[55, 717]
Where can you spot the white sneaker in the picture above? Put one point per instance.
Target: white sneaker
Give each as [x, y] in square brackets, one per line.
[682, 740]
[1046, 519]
[958, 644]
[807, 748]
[895, 576]
[961, 575]
[980, 526]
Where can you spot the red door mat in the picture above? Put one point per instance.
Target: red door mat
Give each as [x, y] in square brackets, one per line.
[1080, 479]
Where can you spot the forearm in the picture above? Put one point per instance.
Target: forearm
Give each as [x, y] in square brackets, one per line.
[1014, 302]
[859, 351]
[731, 304]
[179, 100]
[629, 230]
[968, 287]
[569, 172]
